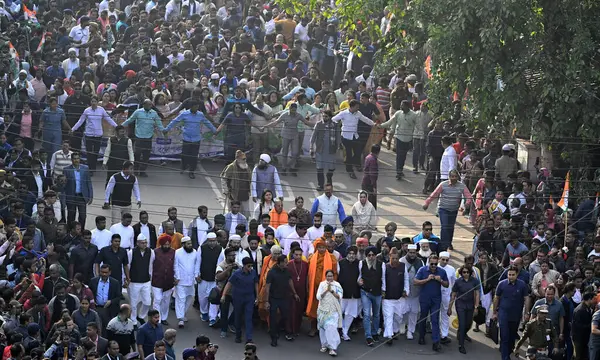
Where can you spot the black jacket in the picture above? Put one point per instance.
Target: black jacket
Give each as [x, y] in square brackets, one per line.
[137, 229]
[491, 281]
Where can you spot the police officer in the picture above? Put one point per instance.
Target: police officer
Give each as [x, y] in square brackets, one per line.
[512, 295]
[540, 333]
[431, 279]
[243, 285]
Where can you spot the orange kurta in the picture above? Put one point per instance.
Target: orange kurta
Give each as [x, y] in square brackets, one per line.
[278, 218]
[175, 241]
[318, 264]
[268, 264]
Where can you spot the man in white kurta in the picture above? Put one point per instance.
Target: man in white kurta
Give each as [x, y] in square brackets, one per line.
[300, 236]
[446, 293]
[413, 264]
[235, 242]
[187, 270]
[140, 289]
[396, 287]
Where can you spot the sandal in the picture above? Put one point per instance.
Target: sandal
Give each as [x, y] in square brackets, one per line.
[323, 350]
[332, 352]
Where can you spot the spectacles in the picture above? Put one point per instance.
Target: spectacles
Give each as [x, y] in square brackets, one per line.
[429, 229]
[433, 264]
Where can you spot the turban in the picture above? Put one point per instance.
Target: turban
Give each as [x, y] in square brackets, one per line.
[163, 239]
[319, 242]
[362, 241]
[371, 249]
[347, 220]
[266, 158]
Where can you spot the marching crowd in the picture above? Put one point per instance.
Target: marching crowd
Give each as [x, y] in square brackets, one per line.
[110, 80]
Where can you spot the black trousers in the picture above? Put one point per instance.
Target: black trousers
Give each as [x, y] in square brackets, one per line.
[433, 173]
[92, 149]
[274, 323]
[189, 155]
[74, 204]
[465, 320]
[353, 152]
[143, 148]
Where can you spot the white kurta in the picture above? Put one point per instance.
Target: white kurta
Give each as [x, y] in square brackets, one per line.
[446, 293]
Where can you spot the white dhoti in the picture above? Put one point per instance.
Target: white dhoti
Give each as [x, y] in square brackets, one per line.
[139, 293]
[444, 318]
[350, 310]
[183, 300]
[328, 333]
[204, 288]
[412, 308]
[486, 302]
[162, 301]
[393, 312]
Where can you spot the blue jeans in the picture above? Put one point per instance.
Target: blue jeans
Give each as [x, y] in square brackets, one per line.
[402, 149]
[370, 302]
[318, 55]
[52, 140]
[243, 306]
[508, 334]
[430, 305]
[447, 221]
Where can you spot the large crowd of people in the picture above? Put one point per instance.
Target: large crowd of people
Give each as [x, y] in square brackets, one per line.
[110, 80]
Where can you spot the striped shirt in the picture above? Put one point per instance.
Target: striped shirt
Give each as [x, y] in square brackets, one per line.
[383, 97]
[59, 161]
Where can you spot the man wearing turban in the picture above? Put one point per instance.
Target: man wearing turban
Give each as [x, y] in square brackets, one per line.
[162, 276]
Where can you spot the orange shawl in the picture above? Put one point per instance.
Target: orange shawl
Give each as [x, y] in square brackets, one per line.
[329, 263]
[262, 287]
[278, 218]
[175, 240]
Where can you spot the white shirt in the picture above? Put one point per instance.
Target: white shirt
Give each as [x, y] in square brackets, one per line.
[449, 160]
[270, 27]
[150, 266]
[179, 57]
[101, 238]
[172, 8]
[202, 230]
[40, 185]
[186, 267]
[239, 256]
[150, 5]
[93, 121]
[261, 229]
[451, 272]
[103, 6]
[194, 7]
[301, 33]
[305, 244]
[384, 284]
[350, 123]
[79, 34]
[199, 255]
[519, 196]
[126, 233]
[315, 233]
[145, 229]
[284, 231]
[370, 81]
[111, 185]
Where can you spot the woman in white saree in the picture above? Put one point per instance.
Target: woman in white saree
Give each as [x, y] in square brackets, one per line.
[329, 313]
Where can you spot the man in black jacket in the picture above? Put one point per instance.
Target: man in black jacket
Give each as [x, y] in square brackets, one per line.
[582, 326]
[144, 227]
[107, 293]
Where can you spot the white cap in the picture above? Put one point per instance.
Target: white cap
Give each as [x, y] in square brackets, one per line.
[211, 235]
[412, 247]
[186, 239]
[423, 241]
[243, 82]
[215, 76]
[142, 237]
[338, 232]
[266, 158]
[508, 147]
[235, 237]
[445, 254]
[71, 50]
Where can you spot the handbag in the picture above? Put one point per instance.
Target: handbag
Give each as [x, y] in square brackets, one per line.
[214, 297]
[479, 319]
[494, 331]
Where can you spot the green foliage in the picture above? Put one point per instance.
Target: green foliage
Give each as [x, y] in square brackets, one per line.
[546, 53]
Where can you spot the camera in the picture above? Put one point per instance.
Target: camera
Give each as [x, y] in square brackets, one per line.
[216, 346]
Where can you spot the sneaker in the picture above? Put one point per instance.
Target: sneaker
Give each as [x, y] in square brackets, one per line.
[223, 334]
[370, 342]
[232, 329]
[289, 338]
[445, 340]
[332, 352]
[181, 324]
[346, 338]
[409, 335]
[462, 350]
[165, 323]
[323, 349]
[204, 317]
[212, 323]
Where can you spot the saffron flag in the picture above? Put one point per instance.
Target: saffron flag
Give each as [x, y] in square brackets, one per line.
[455, 97]
[428, 67]
[564, 199]
[466, 94]
[42, 42]
[29, 14]
[13, 52]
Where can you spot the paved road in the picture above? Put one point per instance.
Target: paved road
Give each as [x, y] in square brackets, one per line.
[400, 201]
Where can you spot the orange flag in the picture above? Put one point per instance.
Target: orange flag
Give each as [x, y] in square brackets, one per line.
[428, 67]
[564, 199]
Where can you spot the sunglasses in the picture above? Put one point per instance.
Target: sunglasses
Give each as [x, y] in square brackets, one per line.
[427, 229]
[433, 264]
